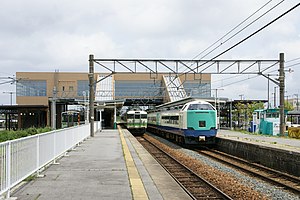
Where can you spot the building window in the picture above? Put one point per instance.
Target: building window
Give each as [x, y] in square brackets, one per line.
[144, 89]
[82, 85]
[196, 89]
[71, 88]
[31, 88]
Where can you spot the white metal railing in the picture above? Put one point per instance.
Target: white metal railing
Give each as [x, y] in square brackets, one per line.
[22, 157]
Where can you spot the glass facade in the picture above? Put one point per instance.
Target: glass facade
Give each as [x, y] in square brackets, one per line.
[31, 88]
[196, 89]
[82, 85]
[138, 89]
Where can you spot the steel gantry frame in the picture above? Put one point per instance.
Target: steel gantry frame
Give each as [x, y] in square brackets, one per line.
[181, 67]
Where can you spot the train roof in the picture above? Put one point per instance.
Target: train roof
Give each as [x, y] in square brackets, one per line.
[182, 102]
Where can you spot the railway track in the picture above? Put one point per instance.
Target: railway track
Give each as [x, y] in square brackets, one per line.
[194, 185]
[278, 178]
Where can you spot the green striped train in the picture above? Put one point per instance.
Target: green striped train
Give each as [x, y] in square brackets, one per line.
[136, 121]
[191, 123]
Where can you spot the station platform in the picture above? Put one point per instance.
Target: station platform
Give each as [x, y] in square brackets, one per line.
[111, 165]
[279, 153]
[283, 143]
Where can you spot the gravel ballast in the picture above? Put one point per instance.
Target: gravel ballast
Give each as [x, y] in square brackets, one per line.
[234, 182]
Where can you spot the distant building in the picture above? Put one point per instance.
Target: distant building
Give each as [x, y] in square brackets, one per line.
[39, 88]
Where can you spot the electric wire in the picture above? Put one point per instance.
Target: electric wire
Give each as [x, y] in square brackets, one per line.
[236, 32]
[240, 42]
[240, 81]
[242, 29]
[293, 60]
[248, 37]
[234, 28]
[239, 75]
[289, 66]
[243, 40]
[293, 65]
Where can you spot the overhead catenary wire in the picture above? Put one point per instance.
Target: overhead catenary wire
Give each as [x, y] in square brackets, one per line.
[241, 41]
[293, 60]
[242, 29]
[239, 75]
[246, 38]
[276, 70]
[237, 33]
[234, 28]
[240, 81]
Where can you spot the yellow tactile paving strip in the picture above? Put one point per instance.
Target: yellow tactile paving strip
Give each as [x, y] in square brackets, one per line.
[137, 186]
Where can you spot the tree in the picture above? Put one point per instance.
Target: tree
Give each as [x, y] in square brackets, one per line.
[244, 112]
[288, 106]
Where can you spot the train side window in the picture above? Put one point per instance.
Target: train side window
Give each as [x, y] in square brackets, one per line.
[144, 116]
[130, 116]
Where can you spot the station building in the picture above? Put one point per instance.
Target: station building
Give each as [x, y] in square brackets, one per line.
[66, 88]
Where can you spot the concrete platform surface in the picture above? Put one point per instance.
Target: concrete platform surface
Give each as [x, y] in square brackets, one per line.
[99, 169]
[289, 144]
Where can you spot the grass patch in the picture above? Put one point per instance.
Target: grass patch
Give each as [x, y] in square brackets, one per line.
[30, 178]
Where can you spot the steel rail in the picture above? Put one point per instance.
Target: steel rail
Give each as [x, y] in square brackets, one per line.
[281, 179]
[218, 194]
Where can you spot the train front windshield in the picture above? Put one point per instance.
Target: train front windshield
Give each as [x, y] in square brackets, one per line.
[64, 117]
[137, 116]
[200, 107]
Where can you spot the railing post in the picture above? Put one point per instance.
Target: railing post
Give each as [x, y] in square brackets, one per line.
[38, 155]
[54, 148]
[8, 168]
[38, 158]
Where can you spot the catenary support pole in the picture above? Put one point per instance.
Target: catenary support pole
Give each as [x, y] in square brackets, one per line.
[91, 95]
[281, 93]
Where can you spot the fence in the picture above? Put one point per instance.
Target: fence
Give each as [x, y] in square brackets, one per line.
[22, 157]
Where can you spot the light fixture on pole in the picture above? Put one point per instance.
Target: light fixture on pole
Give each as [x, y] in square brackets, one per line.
[217, 105]
[297, 104]
[11, 93]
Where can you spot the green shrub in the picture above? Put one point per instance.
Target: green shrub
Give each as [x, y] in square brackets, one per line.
[32, 131]
[11, 135]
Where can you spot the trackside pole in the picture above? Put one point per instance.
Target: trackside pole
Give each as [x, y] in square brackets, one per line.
[281, 93]
[100, 120]
[91, 95]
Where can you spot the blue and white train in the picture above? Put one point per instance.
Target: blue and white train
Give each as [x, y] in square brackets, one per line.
[194, 122]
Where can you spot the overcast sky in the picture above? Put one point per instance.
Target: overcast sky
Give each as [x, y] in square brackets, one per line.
[60, 34]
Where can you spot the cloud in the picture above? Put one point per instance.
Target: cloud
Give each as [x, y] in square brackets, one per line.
[60, 34]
